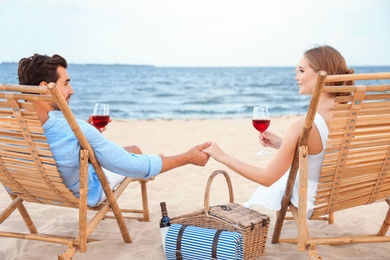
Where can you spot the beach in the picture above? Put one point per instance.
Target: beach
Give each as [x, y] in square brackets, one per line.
[183, 191]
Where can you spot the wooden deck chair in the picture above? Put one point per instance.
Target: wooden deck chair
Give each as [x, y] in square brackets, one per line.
[28, 169]
[356, 166]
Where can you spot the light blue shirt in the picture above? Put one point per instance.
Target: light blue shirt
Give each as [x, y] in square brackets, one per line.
[66, 152]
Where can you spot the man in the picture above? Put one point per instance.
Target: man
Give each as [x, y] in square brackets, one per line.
[116, 161]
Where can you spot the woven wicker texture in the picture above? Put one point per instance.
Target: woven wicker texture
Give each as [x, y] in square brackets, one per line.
[232, 217]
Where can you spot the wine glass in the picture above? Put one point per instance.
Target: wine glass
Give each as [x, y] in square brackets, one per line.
[101, 115]
[261, 121]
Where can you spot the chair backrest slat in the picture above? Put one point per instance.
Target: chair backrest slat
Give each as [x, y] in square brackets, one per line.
[356, 165]
[27, 165]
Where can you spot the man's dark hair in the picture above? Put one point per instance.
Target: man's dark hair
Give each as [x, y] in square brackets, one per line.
[37, 68]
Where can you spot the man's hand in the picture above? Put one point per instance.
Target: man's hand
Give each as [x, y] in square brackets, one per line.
[89, 120]
[197, 156]
[215, 151]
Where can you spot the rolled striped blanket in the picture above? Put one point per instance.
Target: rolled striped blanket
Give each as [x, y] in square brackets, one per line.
[194, 243]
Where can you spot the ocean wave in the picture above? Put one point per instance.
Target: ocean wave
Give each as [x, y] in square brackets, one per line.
[147, 92]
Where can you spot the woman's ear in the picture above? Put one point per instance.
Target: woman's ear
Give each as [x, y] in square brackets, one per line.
[43, 83]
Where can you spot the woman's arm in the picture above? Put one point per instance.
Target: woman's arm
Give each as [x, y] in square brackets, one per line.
[275, 169]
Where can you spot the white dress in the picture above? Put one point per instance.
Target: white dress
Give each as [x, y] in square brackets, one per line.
[271, 197]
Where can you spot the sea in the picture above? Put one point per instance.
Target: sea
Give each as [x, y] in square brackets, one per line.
[152, 92]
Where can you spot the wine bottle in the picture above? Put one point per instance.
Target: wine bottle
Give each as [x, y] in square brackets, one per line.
[164, 223]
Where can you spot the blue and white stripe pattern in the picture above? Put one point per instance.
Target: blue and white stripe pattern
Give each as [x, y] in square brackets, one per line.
[197, 244]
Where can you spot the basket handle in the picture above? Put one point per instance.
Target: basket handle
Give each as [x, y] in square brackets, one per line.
[207, 191]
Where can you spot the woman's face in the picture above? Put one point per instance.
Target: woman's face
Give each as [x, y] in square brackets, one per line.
[306, 77]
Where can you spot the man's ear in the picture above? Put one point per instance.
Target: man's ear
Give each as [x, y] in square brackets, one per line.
[43, 83]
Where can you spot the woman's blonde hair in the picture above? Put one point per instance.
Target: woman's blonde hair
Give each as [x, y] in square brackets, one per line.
[330, 60]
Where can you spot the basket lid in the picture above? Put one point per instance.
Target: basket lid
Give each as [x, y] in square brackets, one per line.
[239, 215]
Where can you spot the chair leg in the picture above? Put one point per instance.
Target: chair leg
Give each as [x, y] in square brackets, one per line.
[18, 203]
[331, 218]
[83, 190]
[286, 217]
[386, 222]
[145, 203]
[312, 251]
[72, 250]
[11, 208]
[303, 232]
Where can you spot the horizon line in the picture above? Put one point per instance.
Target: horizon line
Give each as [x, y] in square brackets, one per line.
[194, 66]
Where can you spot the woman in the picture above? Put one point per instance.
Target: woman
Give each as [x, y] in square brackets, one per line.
[273, 177]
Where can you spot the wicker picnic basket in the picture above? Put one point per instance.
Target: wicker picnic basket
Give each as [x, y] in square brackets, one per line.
[231, 217]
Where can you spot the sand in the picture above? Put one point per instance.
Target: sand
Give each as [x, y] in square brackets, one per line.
[183, 191]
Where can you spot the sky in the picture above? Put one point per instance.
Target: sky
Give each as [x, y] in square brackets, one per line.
[194, 32]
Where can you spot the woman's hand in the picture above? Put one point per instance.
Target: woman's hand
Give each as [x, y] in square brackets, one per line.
[269, 139]
[215, 151]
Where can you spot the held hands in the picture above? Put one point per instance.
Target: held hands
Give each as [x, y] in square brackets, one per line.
[215, 151]
[269, 139]
[197, 156]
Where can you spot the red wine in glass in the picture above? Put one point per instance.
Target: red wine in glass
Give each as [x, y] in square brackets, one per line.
[261, 121]
[100, 121]
[101, 115]
[260, 124]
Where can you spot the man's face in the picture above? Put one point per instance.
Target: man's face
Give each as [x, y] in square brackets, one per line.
[63, 84]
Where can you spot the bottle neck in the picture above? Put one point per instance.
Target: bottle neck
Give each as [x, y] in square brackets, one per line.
[165, 221]
[164, 211]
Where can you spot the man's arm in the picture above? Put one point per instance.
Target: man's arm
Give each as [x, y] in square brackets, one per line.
[194, 156]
